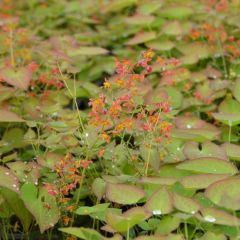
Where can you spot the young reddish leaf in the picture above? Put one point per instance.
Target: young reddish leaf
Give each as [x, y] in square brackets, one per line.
[19, 78]
[6, 116]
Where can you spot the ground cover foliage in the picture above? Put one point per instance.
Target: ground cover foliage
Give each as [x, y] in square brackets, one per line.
[119, 119]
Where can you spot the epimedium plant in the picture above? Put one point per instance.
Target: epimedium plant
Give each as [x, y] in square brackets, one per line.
[153, 153]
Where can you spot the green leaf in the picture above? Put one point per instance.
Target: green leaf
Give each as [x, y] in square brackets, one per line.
[41, 204]
[201, 181]
[94, 209]
[208, 165]
[26, 172]
[139, 19]
[176, 12]
[213, 236]
[14, 137]
[151, 156]
[185, 204]
[123, 193]
[83, 233]
[228, 119]
[8, 179]
[149, 7]
[229, 106]
[158, 180]
[118, 5]
[236, 90]
[160, 237]
[173, 28]
[225, 193]
[216, 216]
[232, 150]
[88, 51]
[160, 202]
[196, 49]
[18, 207]
[98, 187]
[207, 149]
[160, 45]
[141, 37]
[123, 222]
[169, 170]
[168, 224]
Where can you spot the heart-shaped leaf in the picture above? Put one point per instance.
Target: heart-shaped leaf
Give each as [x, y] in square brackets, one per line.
[160, 202]
[19, 78]
[173, 28]
[98, 187]
[161, 237]
[139, 19]
[176, 12]
[83, 233]
[118, 5]
[168, 224]
[213, 236]
[207, 149]
[29, 172]
[225, 193]
[201, 181]
[229, 106]
[208, 165]
[236, 90]
[141, 38]
[6, 116]
[158, 180]
[18, 207]
[232, 150]
[200, 50]
[94, 209]
[87, 51]
[160, 45]
[228, 119]
[123, 222]
[185, 204]
[216, 216]
[123, 193]
[8, 179]
[41, 204]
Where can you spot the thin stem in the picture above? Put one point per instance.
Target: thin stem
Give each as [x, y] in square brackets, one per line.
[128, 235]
[186, 230]
[229, 133]
[11, 48]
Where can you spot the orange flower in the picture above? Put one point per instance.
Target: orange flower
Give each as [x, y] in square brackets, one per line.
[149, 54]
[107, 85]
[101, 152]
[161, 61]
[105, 137]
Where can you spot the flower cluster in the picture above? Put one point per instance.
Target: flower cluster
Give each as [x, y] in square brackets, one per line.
[123, 106]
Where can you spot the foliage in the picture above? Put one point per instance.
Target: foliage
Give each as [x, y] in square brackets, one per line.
[120, 119]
